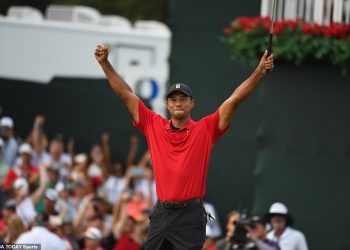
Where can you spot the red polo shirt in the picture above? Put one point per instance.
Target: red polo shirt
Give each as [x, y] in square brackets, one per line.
[180, 158]
[17, 172]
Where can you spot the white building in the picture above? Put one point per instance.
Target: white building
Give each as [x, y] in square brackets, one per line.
[61, 44]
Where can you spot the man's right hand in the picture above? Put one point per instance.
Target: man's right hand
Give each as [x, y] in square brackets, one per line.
[101, 53]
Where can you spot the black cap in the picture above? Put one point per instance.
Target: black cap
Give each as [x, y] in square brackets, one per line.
[180, 87]
[258, 220]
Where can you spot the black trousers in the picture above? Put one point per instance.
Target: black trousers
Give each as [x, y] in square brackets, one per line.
[177, 228]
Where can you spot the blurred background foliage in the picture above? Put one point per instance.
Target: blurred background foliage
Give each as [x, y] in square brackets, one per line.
[131, 9]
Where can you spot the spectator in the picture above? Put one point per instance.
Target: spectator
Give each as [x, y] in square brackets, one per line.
[144, 179]
[282, 231]
[114, 184]
[258, 235]
[81, 194]
[39, 234]
[4, 168]
[113, 175]
[128, 236]
[136, 201]
[38, 139]
[25, 169]
[8, 210]
[65, 203]
[56, 227]
[51, 196]
[95, 172]
[87, 215]
[93, 237]
[57, 155]
[10, 149]
[227, 242]
[213, 230]
[53, 172]
[79, 170]
[68, 232]
[15, 228]
[26, 202]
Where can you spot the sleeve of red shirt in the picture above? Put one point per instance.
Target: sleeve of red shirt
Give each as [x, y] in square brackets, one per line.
[212, 122]
[10, 177]
[145, 117]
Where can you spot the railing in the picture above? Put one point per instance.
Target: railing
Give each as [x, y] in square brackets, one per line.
[322, 12]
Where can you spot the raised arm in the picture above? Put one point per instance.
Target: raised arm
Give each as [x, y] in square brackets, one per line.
[120, 87]
[39, 192]
[242, 91]
[37, 136]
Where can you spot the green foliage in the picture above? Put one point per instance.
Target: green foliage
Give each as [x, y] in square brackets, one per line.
[293, 41]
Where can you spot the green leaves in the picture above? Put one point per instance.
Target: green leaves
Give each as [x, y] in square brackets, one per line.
[295, 42]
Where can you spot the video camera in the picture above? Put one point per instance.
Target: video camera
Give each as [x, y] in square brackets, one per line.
[241, 235]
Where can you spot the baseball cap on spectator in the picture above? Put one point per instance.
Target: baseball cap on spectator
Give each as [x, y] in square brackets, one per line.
[280, 209]
[59, 186]
[258, 220]
[6, 122]
[25, 148]
[21, 183]
[93, 233]
[80, 158]
[51, 194]
[56, 166]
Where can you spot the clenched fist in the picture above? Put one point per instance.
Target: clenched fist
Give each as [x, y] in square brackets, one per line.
[101, 53]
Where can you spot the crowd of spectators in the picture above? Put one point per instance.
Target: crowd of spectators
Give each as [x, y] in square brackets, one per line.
[63, 200]
[50, 194]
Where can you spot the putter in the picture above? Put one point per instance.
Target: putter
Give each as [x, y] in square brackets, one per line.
[273, 16]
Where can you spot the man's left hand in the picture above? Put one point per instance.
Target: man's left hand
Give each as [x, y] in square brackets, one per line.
[266, 63]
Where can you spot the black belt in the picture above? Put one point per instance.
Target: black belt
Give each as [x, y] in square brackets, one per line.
[179, 204]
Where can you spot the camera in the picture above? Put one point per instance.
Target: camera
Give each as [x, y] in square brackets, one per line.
[241, 235]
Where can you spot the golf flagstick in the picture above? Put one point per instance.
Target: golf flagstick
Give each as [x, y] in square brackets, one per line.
[273, 15]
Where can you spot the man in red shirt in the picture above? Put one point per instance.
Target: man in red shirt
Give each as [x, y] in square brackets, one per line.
[25, 168]
[180, 150]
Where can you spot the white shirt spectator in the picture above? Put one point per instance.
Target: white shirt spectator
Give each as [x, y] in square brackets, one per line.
[112, 188]
[44, 157]
[143, 186]
[94, 170]
[65, 159]
[40, 235]
[291, 239]
[10, 152]
[26, 211]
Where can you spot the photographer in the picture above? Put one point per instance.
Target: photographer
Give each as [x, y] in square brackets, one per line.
[258, 235]
[248, 234]
[227, 242]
